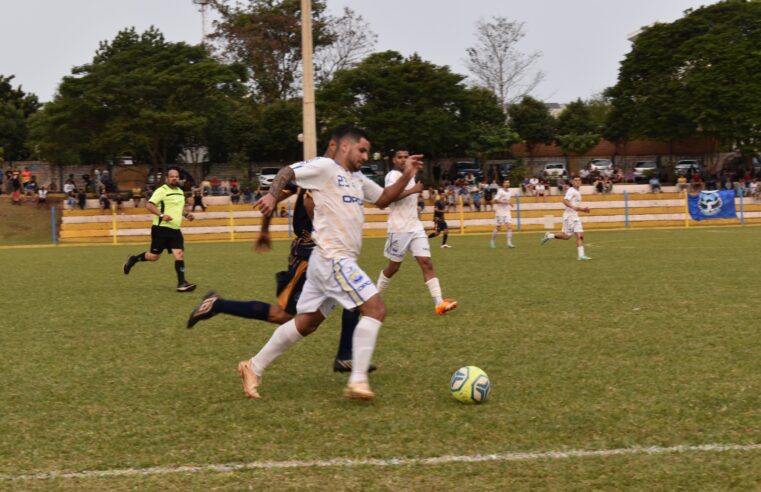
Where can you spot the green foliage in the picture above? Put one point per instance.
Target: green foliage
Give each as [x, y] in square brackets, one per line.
[16, 107]
[697, 75]
[578, 143]
[532, 121]
[141, 95]
[412, 102]
[576, 119]
[265, 37]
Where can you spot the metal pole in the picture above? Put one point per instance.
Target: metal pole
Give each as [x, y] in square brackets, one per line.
[686, 211]
[310, 132]
[626, 209]
[53, 225]
[114, 229]
[742, 208]
[518, 211]
[290, 225]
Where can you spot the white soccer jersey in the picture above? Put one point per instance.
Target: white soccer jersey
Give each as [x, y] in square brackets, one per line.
[502, 205]
[339, 209]
[574, 196]
[403, 215]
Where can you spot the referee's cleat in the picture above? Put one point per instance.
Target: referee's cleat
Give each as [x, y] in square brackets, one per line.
[445, 306]
[344, 365]
[445, 246]
[584, 258]
[205, 310]
[250, 380]
[186, 287]
[359, 391]
[545, 239]
[128, 264]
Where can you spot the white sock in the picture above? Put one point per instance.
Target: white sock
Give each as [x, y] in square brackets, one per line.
[509, 236]
[551, 235]
[493, 235]
[281, 340]
[581, 251]
[435, 289]
[363, 344]
[383, 282]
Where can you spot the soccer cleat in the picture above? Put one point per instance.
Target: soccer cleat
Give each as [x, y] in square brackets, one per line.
[128, 264]
[445, 246]
[510, 245]
[344, 365]
[359, 391]
[545, 238]
[584, 258]
[205, 310]
[186, 287]
[492, 245]
[250, 380]
[445, 306]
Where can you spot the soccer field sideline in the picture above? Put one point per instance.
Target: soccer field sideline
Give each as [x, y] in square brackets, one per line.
[344, 462]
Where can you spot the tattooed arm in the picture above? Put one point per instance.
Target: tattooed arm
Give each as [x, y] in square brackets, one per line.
[268, 202]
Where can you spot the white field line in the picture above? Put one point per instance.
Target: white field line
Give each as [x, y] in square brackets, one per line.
[348, 462]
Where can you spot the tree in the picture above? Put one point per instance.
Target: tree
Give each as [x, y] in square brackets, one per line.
[497, 63]
[16, 107]
[265, 37]
[532, 120]
[140, 95]
[576, 131]
[410, 102]
[353, 40]
[695, 76]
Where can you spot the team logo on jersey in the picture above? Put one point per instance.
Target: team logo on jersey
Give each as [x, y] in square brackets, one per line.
[356, 277]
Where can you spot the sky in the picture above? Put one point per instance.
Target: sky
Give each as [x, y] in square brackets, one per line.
[581, 42]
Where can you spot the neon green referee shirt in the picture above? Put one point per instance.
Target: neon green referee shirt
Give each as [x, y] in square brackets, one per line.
[170, 201]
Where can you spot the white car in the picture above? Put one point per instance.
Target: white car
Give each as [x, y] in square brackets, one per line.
[600, 165]
[555, 170]
[267, 175]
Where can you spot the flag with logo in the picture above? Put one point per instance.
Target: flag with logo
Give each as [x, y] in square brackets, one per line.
[712, 205]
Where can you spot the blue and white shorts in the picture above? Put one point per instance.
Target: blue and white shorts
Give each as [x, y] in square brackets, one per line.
[333, 282]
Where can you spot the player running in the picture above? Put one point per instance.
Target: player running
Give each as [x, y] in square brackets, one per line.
[439, 223]
[406, 233]
[167, 203]
[502, 214]
[571, 220]
[339, 191]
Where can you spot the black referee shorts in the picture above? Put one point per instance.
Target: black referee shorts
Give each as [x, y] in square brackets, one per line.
[441, 225]
[165, 238]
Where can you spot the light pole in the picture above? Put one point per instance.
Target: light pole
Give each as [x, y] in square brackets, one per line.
[203, 5]
[310, 132]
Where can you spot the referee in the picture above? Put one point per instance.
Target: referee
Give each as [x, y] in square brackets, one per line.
[167, 203]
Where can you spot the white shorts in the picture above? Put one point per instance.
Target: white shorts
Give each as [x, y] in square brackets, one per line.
[398, 243]
[503, 219]
[333, 282]
[572, 225]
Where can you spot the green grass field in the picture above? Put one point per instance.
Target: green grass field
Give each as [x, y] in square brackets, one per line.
[653, 343]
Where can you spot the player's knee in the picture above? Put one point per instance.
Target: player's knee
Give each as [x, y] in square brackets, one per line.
[425, 264]
[392, 268]
[278, 315]
[374, 308]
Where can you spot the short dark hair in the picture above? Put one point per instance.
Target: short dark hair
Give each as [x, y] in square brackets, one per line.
[401, 148]
[348, 131]
[575, 176]
[173, 168]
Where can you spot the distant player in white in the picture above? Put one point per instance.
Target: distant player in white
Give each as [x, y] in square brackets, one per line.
[406, 233]
[339, 191]
[571, 220]
[502, 214]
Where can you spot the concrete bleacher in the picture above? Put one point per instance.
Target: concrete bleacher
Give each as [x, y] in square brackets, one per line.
[224, 221]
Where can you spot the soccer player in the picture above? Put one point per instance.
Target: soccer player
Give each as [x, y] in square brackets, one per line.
[406, 233]
[289, 283]
[333, 277]
[571, 220]
[440, 224]
[502, 215]
[167, 203]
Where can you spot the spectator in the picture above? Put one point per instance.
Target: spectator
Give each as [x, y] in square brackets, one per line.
[26, 177]
[420, 204]
[105, 202]
[562, 186]
[584, 174]
[681, 184]
[489, 192]
[697, 182]
[206, 186]
[532, 185]
[68, 185]
[215, 186]
[247, 195]
[470, 179]
[119, 202]
[8, 181]
[137, 196]
[234, 195]
[257, 195]
[607, 186]
[234, 182]
[655, 184]
[42, 196]
[82, 199]
[283, 212]
[225, 187]
[755, 190]
[31, 187]
[475, 196]
[71, 199]
[198, 199]
[451, 200]
[540, 191]
[89, 186]
[465, 197]
[599, 186]
[16, 189]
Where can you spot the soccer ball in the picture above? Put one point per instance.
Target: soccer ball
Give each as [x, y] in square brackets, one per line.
[470, 385]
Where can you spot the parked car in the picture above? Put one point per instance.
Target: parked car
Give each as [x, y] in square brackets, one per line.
[267, 175]
[372, 175]
[462, 168]
[644, 170]
[600, 165]
[555, 170]
[687, 166]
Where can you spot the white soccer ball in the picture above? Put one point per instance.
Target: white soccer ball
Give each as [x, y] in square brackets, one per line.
[470, 384]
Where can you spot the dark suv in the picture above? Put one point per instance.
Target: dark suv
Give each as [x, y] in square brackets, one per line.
[463, 168]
